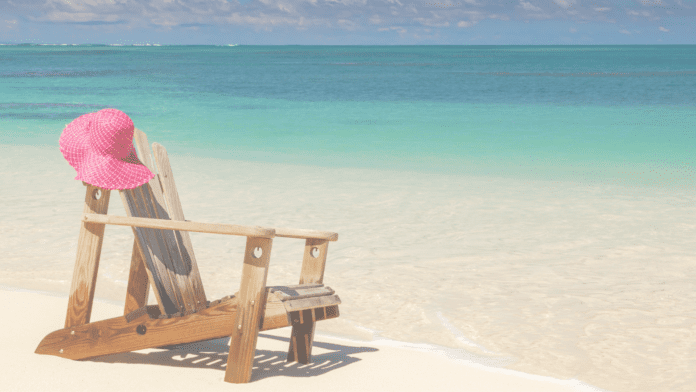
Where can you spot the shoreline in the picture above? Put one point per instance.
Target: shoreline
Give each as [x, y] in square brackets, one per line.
[619, 180]
[338, 363]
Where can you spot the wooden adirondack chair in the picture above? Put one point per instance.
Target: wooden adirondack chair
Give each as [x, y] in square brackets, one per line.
[163, 257]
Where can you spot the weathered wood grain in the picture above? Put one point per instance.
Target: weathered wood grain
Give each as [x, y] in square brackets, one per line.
[120, 334]
[313, 267]
[294, 305]
[138, 202]
[89, 244]
[302, 336]
[252, 292]
[165, 263]
[302, 291]
[166, 224]
[306, 234]
[138, 283]
[143, 149]
[176, 212]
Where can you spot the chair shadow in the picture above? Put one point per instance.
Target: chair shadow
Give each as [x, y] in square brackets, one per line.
[212, 354]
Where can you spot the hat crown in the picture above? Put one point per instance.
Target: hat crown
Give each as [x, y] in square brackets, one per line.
[112, 133]
[99, 146]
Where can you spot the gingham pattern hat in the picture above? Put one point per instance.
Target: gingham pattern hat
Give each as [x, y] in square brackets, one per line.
[100, 147]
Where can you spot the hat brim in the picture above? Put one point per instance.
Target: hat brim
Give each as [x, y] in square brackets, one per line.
[108, 172]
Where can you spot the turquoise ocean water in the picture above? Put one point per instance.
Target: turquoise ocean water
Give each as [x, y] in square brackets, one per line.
[620, 114]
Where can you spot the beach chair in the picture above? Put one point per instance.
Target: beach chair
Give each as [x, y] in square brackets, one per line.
[163, 259]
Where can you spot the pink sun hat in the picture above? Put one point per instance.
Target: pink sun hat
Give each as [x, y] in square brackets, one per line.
[99, 146]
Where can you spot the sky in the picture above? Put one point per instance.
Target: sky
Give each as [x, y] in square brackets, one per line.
[349, 22]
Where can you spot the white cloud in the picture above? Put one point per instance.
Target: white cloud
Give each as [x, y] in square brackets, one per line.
[529, 7]
[565, 3]
[624, 31]
[358, 15]
[402, 31]
[498, 16]
[79, 17]
[347, 24]
[431, 22]
[663, 29]
[573, 30]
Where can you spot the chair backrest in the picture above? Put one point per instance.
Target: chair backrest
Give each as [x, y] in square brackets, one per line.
[168, 254]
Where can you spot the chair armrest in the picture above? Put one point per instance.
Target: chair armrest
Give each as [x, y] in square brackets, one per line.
[306, 234]
[166, 224]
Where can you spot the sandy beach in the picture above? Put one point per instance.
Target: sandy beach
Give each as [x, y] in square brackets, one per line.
[338, 365]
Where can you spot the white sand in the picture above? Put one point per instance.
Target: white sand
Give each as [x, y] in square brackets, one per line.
[338, 365]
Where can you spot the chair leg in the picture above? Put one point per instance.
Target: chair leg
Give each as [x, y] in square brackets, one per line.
[250, 308]
[89, 246]
[241, 357]
[302, 336]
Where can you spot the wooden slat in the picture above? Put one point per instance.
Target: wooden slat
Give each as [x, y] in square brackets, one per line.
[138, 202]
[180, 272]
[294, 305]
[119, 335]
[143, 149]
[138, 284]
[286, 293]
[164, 224]
[306, 234]
[89, 246]
[252, 293]
[158, 285]
[296, 286]
[172, 257]
[183, 296]
[176, 213]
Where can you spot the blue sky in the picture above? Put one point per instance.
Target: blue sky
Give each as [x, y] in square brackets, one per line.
[349, 22]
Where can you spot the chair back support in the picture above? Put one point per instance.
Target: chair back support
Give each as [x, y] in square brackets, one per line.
[168, 254]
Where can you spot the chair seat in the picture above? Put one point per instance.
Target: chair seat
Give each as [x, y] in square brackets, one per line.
[291, 299]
